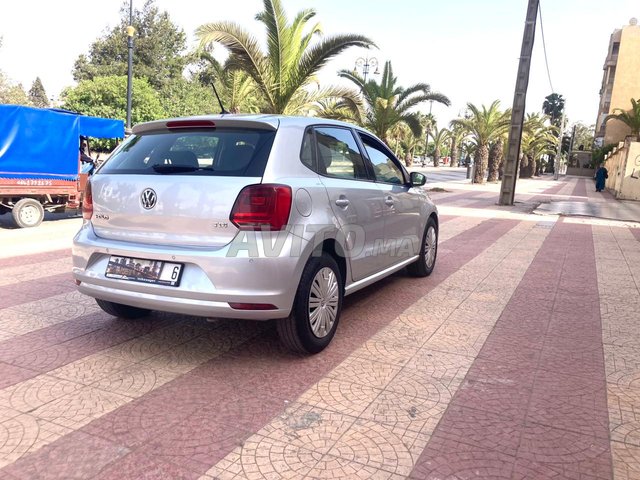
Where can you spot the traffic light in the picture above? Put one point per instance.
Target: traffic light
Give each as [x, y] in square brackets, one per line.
[566, 143]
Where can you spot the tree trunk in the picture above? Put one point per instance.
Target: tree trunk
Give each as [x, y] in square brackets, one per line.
[538, 171]
[550, 164]
[436, 157]
[495, 157]
[455, 158]
[481, 161]
[408, 160]
[527, 167]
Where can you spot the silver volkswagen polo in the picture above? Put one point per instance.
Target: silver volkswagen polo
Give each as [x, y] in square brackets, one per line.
[256, 217]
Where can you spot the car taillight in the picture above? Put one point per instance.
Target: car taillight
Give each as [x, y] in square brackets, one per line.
[87, 202]
[262, 207]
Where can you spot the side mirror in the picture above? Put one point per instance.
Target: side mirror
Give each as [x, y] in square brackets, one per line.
[417, 179]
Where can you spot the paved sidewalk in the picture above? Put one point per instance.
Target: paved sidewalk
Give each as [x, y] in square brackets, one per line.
[518, 358]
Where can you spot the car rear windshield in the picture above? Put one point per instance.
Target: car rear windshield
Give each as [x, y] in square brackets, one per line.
[216, 152]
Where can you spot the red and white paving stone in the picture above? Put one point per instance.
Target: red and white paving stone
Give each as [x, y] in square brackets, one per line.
[518, 358]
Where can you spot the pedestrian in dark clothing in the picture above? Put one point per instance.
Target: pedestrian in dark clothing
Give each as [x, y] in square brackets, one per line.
[601, 175]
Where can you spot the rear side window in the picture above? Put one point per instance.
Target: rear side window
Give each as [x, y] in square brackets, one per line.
[215, 152]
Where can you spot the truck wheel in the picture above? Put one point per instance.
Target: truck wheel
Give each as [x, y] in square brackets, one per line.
[122, 311]
[27, 213]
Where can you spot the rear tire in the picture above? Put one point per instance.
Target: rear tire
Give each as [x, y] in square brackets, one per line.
[316, 308]
[122, 311]
[428, 252]
[27, 213]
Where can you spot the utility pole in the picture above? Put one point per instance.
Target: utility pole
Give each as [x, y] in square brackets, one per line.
[130, 32]
[510, 174]
[556, 165]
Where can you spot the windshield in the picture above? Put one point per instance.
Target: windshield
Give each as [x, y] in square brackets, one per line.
[218, 152]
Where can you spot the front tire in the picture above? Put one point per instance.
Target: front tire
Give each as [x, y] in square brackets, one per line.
[316, 308]
[122, 311]
[428, 252]
[27, 213]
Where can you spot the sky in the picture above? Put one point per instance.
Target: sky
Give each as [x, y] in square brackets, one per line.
[465, 49]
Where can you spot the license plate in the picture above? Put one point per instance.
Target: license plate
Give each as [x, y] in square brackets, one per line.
[142, 270]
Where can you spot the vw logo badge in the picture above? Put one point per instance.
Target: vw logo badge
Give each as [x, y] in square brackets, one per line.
[148, 198]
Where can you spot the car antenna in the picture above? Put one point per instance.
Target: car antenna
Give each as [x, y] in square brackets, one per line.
[222, 109]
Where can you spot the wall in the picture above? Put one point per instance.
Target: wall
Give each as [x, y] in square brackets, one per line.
[623, 165]
[581, 172]
[626, 84]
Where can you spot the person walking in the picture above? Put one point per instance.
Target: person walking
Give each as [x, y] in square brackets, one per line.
[601, 175]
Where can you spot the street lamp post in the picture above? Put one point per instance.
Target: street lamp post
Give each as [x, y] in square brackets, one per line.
[130, 32]
[365, 64]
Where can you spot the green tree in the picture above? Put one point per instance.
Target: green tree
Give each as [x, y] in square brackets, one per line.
[583, 139]
[553, 106]
[158, 49]
[538, 139]
[631, 118]
[284, 73]
[440, 137]
[457, 136]
[483, 126]
[102, 97]
[386, 104]
[12, 93]
[428, 122]
[237, 90]
[37, 94]
[496, 157]
[183, 97]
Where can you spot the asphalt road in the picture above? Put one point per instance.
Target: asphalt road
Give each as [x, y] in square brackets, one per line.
[443, 174]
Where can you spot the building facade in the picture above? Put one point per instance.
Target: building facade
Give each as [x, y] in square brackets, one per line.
[620, 82]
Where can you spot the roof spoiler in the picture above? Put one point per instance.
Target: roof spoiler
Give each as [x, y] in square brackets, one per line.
[213, 122]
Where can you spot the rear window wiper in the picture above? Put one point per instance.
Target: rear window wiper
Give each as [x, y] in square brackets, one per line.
[168, 168]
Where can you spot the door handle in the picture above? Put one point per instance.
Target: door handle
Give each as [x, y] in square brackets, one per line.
[342, 202]
[389, 201]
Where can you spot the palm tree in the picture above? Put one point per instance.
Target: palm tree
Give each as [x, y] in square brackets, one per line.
[553, 106]
[237, 90]
[496, 156]
[483, 125]
[410, 143]
[538, 139]
[284, 73]
[440, 137]
[457, 136]
[631, 118]
[344, 109]
[386, 104]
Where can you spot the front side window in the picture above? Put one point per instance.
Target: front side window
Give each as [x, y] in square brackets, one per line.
[384, 167]
[338, 154]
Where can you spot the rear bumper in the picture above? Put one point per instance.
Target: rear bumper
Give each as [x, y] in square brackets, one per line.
[211, 278]
[184, 306]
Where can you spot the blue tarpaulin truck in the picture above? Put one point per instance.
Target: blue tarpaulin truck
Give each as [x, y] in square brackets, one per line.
[40, 167]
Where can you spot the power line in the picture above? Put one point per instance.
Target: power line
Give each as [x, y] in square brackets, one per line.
[544, 47]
